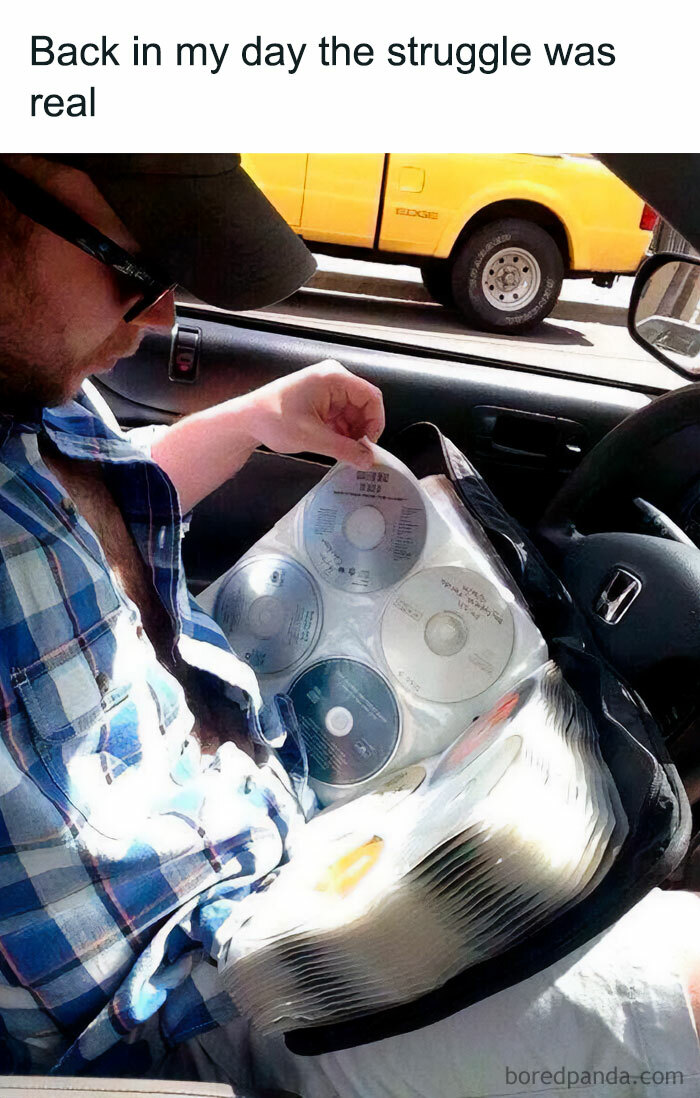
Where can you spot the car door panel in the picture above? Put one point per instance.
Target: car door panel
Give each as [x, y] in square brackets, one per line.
[282, 177]
[342, 198]
[232, 519]
[524, 429]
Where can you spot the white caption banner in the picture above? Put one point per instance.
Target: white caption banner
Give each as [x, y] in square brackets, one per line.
[402, 87]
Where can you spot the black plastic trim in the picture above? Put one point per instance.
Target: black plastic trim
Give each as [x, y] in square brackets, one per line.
[382, 197]
[645, 272]
[341, 339]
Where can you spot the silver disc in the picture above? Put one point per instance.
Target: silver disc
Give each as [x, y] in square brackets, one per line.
[270, 610]
[348, 719]
[365, 529]
[447, 634]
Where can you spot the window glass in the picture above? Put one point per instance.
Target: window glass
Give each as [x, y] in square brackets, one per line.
[521, 258]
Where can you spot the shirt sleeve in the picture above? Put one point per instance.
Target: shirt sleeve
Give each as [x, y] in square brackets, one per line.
[141, 438]
[144, 438]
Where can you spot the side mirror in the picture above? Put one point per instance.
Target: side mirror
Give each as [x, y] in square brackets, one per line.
[664, 313]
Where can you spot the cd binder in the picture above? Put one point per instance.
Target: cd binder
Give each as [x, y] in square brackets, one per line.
[397, 892]
[485, 849]
[642, 778]
[375, 586]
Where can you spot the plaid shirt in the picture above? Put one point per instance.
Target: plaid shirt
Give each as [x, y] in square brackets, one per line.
[123, 851]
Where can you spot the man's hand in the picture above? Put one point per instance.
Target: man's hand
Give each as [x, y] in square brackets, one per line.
[323, 409]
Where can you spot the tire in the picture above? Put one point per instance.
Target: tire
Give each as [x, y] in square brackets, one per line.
[437, 279]
[527, 267]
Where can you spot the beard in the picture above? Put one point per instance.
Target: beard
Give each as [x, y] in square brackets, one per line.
[122, 343]
[53, 376]
[46, 352]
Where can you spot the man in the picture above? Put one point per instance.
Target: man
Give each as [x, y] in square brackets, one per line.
[139, 801]
[114, 687]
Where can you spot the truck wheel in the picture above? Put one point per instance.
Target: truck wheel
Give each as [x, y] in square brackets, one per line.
[507, 276]
[437, 279]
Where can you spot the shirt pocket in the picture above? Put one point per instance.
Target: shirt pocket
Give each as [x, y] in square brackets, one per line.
[84, 722]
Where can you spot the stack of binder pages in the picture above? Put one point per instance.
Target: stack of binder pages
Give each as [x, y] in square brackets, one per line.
[447, 863]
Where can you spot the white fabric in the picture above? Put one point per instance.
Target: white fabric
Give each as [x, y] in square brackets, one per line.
[619, 1005]
[142, 438]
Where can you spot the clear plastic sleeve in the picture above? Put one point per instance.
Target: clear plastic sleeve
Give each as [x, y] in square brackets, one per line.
[378, 606]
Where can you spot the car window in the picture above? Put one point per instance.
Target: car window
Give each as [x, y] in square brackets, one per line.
[522, 258]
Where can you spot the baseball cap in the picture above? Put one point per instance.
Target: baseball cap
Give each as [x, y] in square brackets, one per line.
[200, 220]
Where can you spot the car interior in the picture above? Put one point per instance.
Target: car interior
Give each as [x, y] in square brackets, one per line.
[603, 474]
[535, 435]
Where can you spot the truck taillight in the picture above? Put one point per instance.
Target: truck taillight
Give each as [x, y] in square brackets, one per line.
[649, 218]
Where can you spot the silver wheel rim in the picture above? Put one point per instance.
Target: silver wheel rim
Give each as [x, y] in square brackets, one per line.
[511, 279]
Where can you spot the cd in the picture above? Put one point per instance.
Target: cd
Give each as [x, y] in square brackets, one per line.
[270, 609]
[365, 529]
[483, 731]
[447, 634]
[348, 720]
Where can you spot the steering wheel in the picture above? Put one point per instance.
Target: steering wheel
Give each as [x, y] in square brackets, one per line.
[640, 591]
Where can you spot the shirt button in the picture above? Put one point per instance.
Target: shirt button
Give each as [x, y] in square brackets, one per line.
[69, 507]
[103, 683]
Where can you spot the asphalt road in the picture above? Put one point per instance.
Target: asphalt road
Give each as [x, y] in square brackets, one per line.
[586, 334]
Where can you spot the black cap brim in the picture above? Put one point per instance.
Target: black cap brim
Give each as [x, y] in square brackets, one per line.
[204, 224]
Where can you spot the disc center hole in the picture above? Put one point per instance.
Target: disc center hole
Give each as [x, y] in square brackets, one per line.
[339, 721]
[266, 616]
[446, 633]
[365, 527]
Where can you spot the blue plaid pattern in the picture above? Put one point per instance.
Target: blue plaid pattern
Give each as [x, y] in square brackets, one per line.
[125, 856]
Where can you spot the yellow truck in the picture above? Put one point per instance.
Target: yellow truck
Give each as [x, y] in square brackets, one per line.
[493, 234]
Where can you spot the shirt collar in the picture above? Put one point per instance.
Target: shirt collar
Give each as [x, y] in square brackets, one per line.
[75, 429]
[30, 420]
[29, 423]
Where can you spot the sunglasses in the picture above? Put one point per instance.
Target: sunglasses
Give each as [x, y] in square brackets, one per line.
[41, 207]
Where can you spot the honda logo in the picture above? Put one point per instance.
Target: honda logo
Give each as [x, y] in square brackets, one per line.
[620, 590]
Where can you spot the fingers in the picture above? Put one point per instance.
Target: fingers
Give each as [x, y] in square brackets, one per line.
[369, 401]
[355, 451]
[353, 404]
[374, 428]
